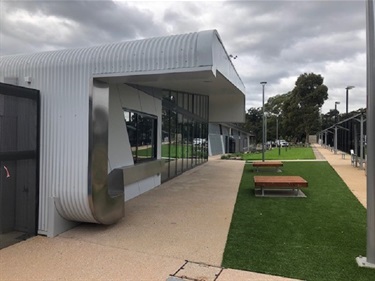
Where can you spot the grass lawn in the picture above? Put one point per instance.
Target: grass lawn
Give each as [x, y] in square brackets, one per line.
[313, 238]
[285, 154]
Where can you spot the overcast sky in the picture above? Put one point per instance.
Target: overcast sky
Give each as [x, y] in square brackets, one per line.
[274, 41]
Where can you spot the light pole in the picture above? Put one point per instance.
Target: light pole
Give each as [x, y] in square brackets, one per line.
[336, 103]
[347, 107]
[347, 97]
[263, 130]
[277, 130]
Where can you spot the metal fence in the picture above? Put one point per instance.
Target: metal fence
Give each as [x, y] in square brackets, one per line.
[349, 136]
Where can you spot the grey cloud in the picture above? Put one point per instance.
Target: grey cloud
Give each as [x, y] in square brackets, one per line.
[90, 22]
[181, 18]
[327, 48]
[287, 38]
[268, 27]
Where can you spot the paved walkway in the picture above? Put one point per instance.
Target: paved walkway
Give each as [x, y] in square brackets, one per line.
[354, 177]
[177, 229]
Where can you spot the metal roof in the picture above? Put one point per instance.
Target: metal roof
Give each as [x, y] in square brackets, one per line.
[190, 52]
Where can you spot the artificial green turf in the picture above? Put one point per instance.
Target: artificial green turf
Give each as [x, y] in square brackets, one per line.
[313, 238]
[285, 154]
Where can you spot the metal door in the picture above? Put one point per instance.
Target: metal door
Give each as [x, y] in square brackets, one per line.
[19, 160]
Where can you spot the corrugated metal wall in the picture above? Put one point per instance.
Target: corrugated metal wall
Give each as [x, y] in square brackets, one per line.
[64, 79]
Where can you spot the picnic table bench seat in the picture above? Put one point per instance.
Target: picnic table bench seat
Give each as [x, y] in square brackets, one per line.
[279, 182]
[267, 164]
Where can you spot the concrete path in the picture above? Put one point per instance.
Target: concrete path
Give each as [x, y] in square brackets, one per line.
[185, 219]
[354, 177]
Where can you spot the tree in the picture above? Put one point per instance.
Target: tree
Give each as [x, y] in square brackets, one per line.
[274, 104]
[328, 119]
[301, 109]
[274, 108]
[254, 122]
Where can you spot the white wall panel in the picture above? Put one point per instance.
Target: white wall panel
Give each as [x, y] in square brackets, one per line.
[119, 151]
[130, 98]
[136, 189]
[221, 110]
[123, 96]
[223, 63]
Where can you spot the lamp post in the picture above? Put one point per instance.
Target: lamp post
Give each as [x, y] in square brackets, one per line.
[263, 130]
[336, 103]
[347, 108]
[335, 136]
[277, 130]
[347, 97]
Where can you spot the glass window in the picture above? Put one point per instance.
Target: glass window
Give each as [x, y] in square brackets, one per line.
[205, 135]
[173, 97]
[166, 95]
[179, 144]
[189, 144]
[173, 144]
[195, 104]
[180, 101]
[186, 101]
[142, 131]
[165, 143]
[185, 141]
[184, 132]
[190, 103]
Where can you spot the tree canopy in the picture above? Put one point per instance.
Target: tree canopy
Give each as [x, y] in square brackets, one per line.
[254, 122]
[298, 110]
[305, 102]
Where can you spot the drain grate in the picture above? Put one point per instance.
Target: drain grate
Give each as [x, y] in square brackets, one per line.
[195, 271]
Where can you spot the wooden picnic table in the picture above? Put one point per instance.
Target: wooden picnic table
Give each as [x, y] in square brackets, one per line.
[280, 182]
[268, 164]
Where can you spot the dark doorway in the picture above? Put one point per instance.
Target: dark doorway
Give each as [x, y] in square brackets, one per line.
[19, 163]
[230, 144]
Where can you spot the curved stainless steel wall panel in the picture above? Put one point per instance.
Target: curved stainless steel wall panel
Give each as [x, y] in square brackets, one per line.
[106, 192]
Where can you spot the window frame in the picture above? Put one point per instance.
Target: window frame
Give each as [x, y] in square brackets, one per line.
[137, 158]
